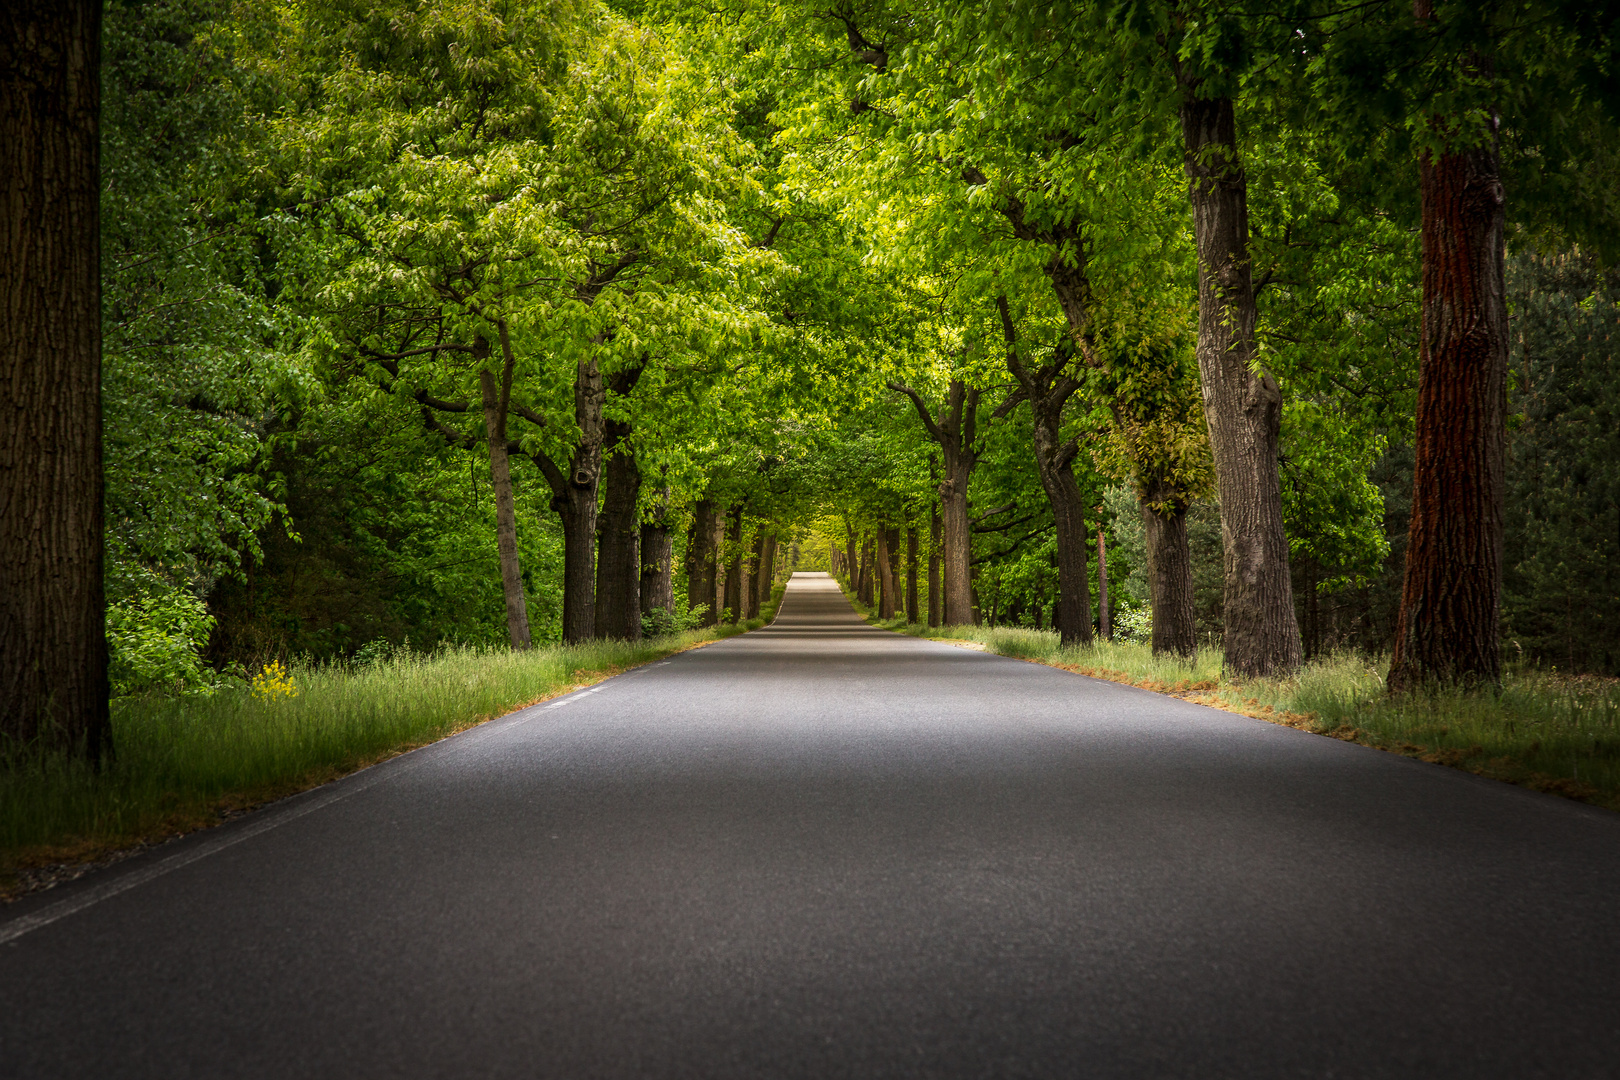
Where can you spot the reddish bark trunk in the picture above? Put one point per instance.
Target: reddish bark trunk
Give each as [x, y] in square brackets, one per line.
[1451, 599]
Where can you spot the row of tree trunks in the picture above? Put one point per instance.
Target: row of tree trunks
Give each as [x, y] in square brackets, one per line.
[1242, 404]
[53, 646]
[885, 573]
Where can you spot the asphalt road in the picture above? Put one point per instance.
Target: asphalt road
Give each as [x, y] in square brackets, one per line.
[821, 850]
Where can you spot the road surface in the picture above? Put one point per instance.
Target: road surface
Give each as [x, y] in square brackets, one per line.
[822, 850]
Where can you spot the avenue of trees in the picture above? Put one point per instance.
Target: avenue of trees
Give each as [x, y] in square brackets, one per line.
[503, 321]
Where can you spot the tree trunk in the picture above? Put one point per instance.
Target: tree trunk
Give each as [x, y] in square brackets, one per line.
[657, 570]
[1105, 626]
[956, 434]
[734, 582]
[767, 572]
[863, 579]
[1243, 406]
[756, 567]
[911, 574]
[500, 476]
[576, 505]
[936, 605]
[885, 572]
[851, 563]
[1068, 512]
[702, 562]
[618, 565]
[53, 643]
[1175, 629]
[1047, 389]
[1452, 595]
[718, 543]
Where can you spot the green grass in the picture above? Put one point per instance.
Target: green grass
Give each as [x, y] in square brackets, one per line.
[1551, 732]
[183, 763]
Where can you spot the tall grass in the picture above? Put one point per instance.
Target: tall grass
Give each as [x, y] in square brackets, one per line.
[185, 762]
[1552, 732]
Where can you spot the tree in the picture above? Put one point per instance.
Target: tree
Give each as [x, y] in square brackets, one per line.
[53, 646]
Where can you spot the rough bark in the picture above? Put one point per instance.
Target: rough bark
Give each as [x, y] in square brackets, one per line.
[936, 605]
[53, 646]
[500, 476]
[1452, 593]
[911, 574]
[956, 433]
[1170, 587]
[734, 581]
[702, 562]
[1242, 406]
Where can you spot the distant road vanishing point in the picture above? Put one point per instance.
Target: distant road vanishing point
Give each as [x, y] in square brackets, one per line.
[824, 850]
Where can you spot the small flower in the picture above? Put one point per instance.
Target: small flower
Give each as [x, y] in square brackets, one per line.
[273, 683]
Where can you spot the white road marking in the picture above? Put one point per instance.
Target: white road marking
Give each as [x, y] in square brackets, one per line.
[89, 897]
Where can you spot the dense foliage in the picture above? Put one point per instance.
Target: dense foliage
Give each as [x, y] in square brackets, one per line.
[422, 316]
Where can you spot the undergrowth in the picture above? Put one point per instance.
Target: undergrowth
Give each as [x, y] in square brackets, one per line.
[185, 762]
[1552, 732]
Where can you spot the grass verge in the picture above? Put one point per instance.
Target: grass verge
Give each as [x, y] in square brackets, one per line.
[1551, 732]
[184, 763]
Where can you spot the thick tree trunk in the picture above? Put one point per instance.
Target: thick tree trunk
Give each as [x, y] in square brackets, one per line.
[911, 574]
[500, 476]
[756, 567]
[936, 605]
[1105, 625]
[1243, 406]
[618, 527]
[851, 563]
[53, 644]
[702, 562]
[734, 579]
[1170, 585]
[1452, 595]
[885, 573]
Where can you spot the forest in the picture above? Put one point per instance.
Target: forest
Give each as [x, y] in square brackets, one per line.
[1282, 338]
